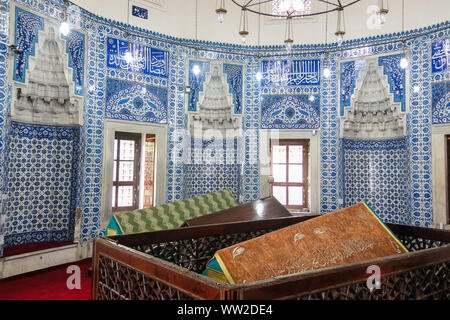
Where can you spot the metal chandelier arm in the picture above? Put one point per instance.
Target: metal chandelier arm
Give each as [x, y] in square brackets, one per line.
[337, 5]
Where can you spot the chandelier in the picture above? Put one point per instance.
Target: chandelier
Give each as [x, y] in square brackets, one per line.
[289, 10]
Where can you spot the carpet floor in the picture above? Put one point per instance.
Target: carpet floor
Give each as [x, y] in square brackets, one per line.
[49, 284]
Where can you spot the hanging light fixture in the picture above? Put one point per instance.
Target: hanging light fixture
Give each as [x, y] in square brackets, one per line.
[288, 39]
[259, 74]
[221, 11]
[326, 69]
[243, 27]
[284, 5]
[383, 11]
[403, 61]
[287, 9]
[293, 6]
[196, 69]
[298, 5]
[64, 27]
[128, 57]
[340, 32]
[326, 72]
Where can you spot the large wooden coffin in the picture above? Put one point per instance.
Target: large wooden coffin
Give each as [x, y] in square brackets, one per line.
[169, 264]
[345, 236]
[256, 210]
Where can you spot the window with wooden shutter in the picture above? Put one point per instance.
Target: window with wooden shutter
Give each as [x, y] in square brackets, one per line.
[125, 190]
[289, 168]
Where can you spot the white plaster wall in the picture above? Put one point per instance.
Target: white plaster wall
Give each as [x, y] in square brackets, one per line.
[440, 174]
[177, 18]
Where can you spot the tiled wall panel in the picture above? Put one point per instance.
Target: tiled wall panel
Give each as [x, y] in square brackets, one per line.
[169, 73]
[41, 197]
[377, 173]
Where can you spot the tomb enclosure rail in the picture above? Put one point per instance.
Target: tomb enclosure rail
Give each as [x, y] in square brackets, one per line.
[168, 265]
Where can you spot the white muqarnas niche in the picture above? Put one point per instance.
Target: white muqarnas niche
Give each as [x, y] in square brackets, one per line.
[47, 95]
[373, 113]
[215, 107]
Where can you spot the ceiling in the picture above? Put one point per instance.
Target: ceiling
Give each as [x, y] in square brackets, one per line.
[178, 18]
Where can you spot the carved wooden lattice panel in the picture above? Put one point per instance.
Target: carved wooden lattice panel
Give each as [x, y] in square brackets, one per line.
[429, 283]
[119, 282]
[194, 254]
[415, 244]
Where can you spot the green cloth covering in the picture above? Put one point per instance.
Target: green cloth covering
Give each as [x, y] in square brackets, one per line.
[171, 215]
[113, 228]
[213, 270]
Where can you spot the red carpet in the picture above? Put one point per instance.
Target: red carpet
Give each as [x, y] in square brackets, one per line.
[48, 284]
[31, 247]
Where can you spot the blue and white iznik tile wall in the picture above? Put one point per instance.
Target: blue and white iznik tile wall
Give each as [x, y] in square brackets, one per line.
[212, 164]
[290, 94]
[420, 133]
[32, 217]
[290, 72]
[331, 168]
[126, 100]
[441, 102]
[440, 55]
[5, 96]
[164, 65]
[350, 73]
[306, 100]
[144, 59]
[27, 26]
[26, 34]
[290, 112]
[440, 88]
[205, 178]
[377, 172]
[40, 184]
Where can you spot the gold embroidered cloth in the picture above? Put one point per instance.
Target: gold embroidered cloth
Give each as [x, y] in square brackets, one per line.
[345, 236]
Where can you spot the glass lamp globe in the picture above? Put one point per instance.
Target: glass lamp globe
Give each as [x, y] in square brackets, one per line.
[64, 28]
[404, 63]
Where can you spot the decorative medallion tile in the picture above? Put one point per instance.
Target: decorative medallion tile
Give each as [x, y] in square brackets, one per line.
[127, 100]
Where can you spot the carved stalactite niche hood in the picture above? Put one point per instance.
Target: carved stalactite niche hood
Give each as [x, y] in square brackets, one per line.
[373, 114]
[51, 91]
[216, 110]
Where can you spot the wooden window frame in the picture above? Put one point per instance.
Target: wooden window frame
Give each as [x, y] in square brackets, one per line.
[149, 137]
[137, 163]
[287, 142]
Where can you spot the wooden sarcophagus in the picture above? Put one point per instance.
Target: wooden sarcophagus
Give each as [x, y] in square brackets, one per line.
[261, 209]
[414, 263]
